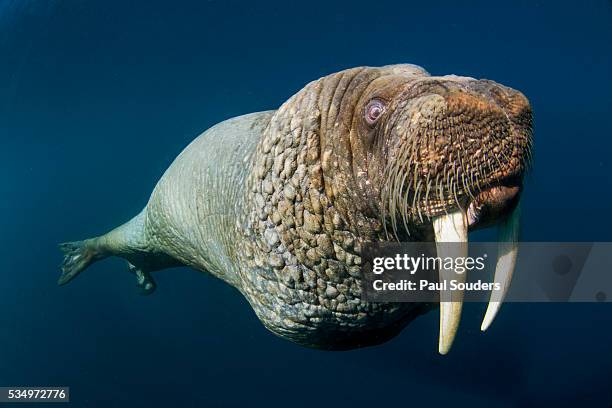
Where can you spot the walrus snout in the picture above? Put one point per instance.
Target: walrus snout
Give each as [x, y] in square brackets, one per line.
[456, 137]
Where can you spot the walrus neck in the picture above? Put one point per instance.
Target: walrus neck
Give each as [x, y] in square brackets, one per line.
[303, 235]
[301, 174]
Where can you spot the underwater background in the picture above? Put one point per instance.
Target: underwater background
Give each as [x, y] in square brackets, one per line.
[98, 97]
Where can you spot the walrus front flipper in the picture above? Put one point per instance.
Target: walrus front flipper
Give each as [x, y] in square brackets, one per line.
[78, 255]
[145, 282]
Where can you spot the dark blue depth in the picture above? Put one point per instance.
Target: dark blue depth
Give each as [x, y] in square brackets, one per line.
[97, 98]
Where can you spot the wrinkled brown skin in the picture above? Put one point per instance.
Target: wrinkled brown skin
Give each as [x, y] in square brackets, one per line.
[279, 204]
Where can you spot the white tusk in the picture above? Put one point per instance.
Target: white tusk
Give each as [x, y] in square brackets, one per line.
[451, 228]
[507, 251]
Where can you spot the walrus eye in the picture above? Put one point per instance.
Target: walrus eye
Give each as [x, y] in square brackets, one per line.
[374, 110]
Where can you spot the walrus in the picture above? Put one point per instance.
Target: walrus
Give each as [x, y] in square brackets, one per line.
[279, 204]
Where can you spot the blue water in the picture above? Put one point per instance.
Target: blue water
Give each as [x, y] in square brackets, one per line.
[97, 98]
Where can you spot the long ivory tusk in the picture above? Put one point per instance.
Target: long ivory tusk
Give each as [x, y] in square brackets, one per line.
[507, 251]
[450, 228]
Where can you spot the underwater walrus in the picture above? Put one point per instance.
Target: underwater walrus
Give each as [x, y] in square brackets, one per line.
[280, 203]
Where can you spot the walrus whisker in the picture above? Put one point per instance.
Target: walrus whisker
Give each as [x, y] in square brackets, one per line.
[396, 192]
[427, 203]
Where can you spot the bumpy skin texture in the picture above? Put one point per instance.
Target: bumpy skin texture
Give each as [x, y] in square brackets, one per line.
[305, 226]
[270, 231]
[279, 204]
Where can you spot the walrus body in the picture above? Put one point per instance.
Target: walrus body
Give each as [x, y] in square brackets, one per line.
[278, 204]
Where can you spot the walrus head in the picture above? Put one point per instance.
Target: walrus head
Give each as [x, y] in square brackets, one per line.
[393, 153]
